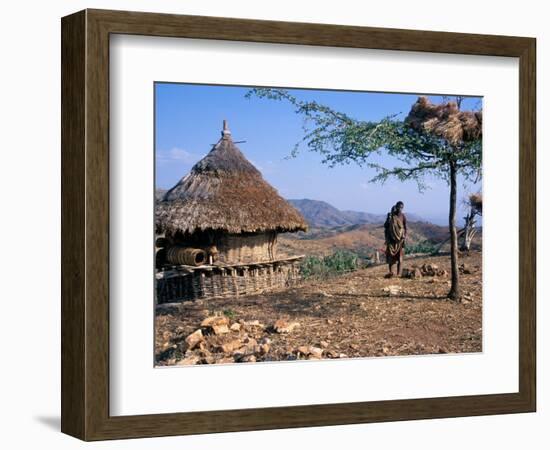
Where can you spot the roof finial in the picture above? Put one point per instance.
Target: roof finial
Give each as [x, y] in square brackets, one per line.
[225, 131]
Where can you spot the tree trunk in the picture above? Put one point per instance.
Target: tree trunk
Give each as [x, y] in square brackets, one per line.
[454, 293]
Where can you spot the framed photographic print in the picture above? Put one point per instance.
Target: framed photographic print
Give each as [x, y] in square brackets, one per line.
[285, 225]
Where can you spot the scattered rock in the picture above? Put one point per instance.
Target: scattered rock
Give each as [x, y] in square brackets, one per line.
[203, 346]
[328, 326]
[250, 342]
[208, 359]
[316, 352]
[393, 289]
[332, 354]
[225, 360]
[250, 347]
[252, 324]
[432, 270]
[218, 324]
[282, 326]
[247, 358]
[241, 353]
[230, 346]
[412, 273]
[214, 320]
[168, 345]
[303, 349]
[189, 361]
[220, 329]
[194, 339]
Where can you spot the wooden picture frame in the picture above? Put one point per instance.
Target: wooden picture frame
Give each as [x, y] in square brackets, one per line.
[85, 224]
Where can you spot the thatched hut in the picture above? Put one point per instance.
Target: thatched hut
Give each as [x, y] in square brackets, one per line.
[223, 218]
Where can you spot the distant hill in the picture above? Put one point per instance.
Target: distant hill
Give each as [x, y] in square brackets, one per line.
[159, 193]
[360, 238]
[332, 229]
[321, 214]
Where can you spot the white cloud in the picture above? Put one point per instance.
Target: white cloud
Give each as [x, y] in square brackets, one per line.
[178, 155]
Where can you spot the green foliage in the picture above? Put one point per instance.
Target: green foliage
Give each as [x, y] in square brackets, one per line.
[341, 139]
[338, 263]
[229, 313]
[425, 246]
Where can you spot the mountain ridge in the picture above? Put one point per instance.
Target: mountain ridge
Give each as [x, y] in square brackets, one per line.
[321, 214]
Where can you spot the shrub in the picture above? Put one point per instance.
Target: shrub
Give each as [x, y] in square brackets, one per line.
[339, 262]
[229, 313]
[425, 246]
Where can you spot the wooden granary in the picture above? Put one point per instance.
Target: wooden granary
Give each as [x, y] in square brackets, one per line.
[217, 230]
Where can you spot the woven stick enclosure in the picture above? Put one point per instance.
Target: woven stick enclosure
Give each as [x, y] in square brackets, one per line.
[186, 283]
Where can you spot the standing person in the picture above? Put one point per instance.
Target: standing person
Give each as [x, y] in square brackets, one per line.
[395, 232]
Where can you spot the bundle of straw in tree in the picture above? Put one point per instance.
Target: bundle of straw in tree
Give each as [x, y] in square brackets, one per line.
[446, 121]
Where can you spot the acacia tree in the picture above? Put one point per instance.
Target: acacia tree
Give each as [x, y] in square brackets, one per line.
[433, 140]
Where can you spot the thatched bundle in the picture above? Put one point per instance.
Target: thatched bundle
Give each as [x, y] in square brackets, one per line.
[225, 192]
[446, 121]
[476, 202]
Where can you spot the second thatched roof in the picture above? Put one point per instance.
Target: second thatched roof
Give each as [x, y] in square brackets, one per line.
[224, 191]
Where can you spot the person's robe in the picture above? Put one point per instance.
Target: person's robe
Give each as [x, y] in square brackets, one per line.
[395, 230]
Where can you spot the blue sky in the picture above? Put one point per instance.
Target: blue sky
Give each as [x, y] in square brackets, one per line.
[189, 120]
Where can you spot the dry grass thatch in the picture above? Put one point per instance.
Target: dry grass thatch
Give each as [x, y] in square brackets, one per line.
[445, 120]
[476, 202]
[224, 191]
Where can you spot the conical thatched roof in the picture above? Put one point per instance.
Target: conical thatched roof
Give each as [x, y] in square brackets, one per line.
[446, 121]
[224, 191]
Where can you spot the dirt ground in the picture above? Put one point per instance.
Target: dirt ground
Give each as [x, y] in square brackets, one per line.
[358, 314]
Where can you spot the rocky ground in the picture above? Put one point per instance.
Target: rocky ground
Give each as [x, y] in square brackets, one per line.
[360, 314]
